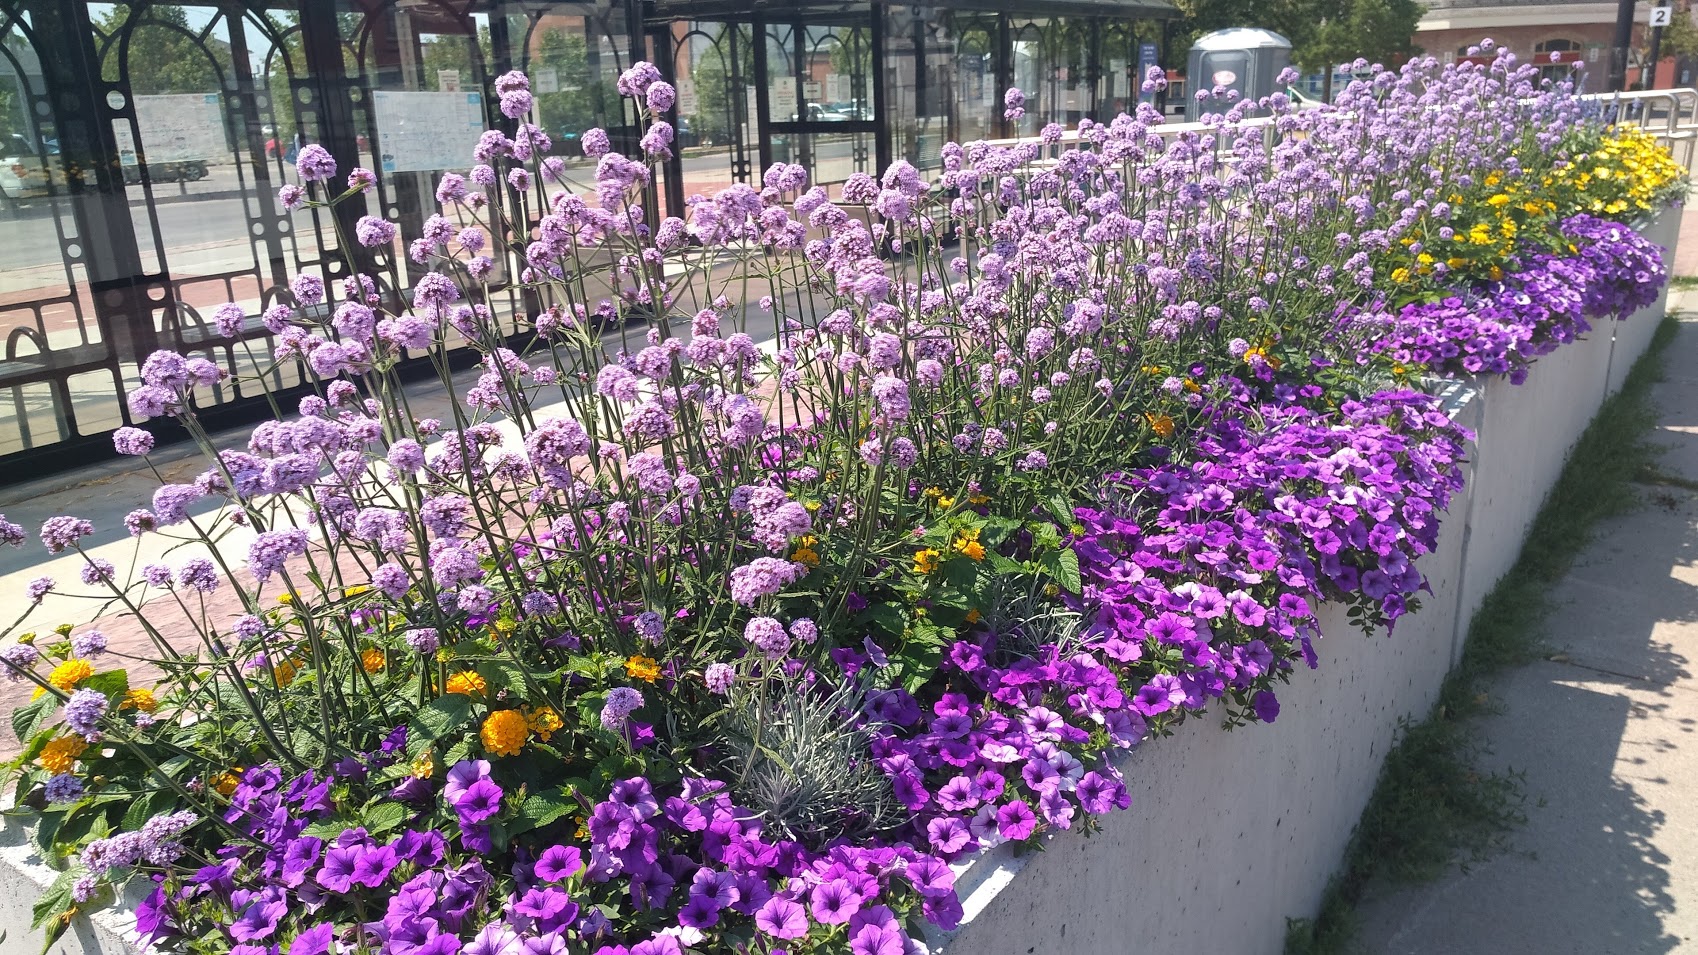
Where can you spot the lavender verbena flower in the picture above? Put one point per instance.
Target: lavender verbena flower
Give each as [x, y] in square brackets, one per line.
[763, 577]
[621, 702]
[719, 677]
[767, 635]
[650, 626]
[891, 393]
[38, 588]
[171, 503]
[91, 643]
[139, 522]
[362, 179]
[373, 232]
[63, 788]
[315, 164]
[291, 197]
[271, 549]
[516, 103]
[57, 533]
[423, 640]
[96, 570]
[307, 288]
[434, 292]
[11, 533]
[128, 440]
[198, 573]
[595, 143]
[83, 712]
[553, 446]
[229, 318]
[18, 659]
[635, 81]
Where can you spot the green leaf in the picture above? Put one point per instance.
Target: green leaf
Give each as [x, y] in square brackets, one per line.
[457, 752]
[385, 816]
[540, 809]
[503, 675]
[328, 828]
[113, 683]
[1061, 510]
[27, 720]
[437, 719]
[1063, 565]
[51, 911]
[886, 617]
[145, 808]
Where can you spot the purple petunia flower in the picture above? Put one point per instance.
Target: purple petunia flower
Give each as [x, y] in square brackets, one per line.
[782, 918]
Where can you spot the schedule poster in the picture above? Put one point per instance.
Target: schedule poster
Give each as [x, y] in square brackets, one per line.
[423, 132]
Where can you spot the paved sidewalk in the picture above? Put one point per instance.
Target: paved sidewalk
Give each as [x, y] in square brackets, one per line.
[1607, 735]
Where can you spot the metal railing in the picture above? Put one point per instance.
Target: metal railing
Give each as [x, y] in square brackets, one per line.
[1669, 115]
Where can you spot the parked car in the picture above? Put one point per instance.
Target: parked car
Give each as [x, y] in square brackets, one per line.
[28, 170]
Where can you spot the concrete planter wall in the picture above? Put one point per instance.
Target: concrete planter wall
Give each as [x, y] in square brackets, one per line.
[1231, 832]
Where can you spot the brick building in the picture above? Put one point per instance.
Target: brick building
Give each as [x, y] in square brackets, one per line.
[1541, 32]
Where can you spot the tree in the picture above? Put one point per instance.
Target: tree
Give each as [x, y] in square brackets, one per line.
[718, 84]
[1379, 31]
[1323, 33]
[161, 53]
[1680, 38]
[582, 95]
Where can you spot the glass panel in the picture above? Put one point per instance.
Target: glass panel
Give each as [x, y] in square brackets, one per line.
[712, 63]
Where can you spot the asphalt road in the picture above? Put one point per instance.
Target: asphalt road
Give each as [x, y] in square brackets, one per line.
[212, 211]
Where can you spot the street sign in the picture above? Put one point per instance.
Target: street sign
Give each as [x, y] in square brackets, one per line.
[1662, 16]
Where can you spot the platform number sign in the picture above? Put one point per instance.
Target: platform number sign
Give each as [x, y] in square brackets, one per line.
[1662, 16]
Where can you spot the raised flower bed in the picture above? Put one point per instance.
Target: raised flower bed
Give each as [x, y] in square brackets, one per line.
[711, 644]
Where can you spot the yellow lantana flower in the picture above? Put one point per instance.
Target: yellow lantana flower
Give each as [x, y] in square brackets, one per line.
[139, 699]
[543, 722]
[642, 668]
[373, 660]
[61, 753]
[67, 675]
[467, 682]
[925, 561]
[225, 783]
[504, 732]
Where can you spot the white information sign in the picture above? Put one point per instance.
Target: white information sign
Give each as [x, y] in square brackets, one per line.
[781, 99]
[837, 88]
[1662, 16]
[419, 132]
[126, 142]
[688, 102]
[545, 79]
[178, 127]
[448, 81]
[812, 90]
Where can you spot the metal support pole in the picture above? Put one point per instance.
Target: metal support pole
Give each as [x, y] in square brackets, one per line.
[1650, 82]
[1623, 41]
[881, 138]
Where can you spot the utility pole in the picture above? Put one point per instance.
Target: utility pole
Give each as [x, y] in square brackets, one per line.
[1623, 42]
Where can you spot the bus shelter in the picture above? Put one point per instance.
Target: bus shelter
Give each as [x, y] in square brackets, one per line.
[142, 145]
